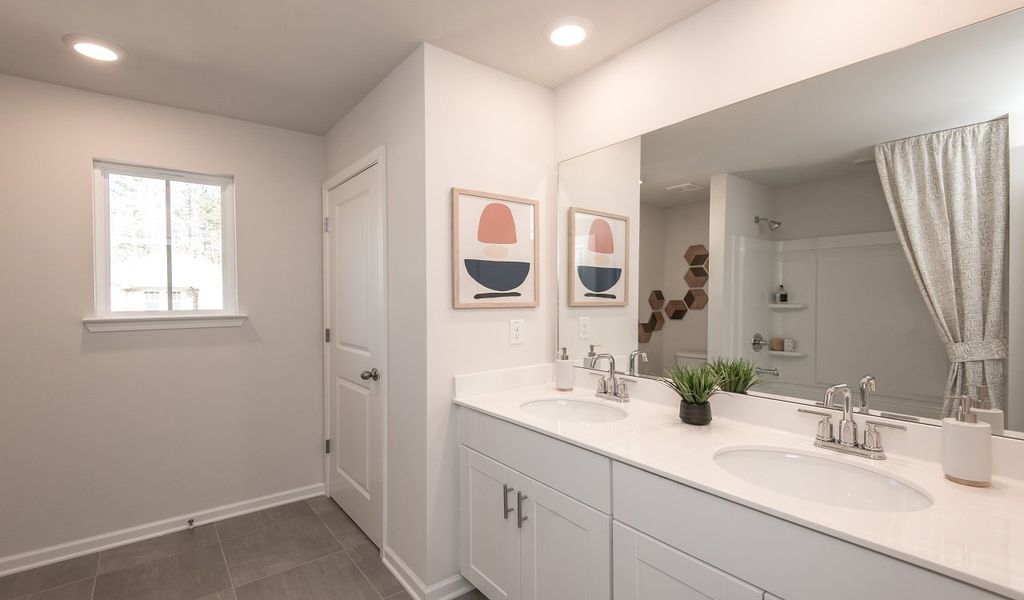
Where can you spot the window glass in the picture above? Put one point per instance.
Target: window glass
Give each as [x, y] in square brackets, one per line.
[138, 243]
[197, 272]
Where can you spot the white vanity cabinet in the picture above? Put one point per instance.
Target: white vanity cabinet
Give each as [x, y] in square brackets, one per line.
[646, 569]
[489, 548]
[664, 540]
[522, 539]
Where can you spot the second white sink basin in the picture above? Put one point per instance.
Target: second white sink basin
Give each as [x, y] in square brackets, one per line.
[821, 479]
[576, 410]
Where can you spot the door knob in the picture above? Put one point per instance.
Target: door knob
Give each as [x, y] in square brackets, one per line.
[373, 374]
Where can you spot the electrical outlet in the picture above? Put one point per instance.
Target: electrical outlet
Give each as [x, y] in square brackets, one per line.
[515, 331]
[584, 328]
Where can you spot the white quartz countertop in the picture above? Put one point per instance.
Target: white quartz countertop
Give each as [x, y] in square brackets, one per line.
[975, 535]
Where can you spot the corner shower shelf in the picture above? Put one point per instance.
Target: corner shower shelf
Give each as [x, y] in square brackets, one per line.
[787, 354]
[788, 306]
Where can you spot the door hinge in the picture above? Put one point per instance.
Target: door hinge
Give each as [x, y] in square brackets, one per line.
[327, 336]
[327, 224]
[327, 446]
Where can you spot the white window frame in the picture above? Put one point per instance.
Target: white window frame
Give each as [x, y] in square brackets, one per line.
[106, 320]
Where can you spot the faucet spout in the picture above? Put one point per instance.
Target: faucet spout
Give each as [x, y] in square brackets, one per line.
[633, 356]
[867, 386]
[847, 426]
[610, 387]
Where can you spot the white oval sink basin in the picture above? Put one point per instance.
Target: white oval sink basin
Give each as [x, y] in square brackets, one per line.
[575, 410]
[821, 479]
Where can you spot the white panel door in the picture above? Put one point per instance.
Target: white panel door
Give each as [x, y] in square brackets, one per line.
[489, 548]
[565, 546]
[646, 569]
[356, 316]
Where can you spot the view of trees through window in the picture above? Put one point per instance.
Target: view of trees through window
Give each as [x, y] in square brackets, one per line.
[143, 276]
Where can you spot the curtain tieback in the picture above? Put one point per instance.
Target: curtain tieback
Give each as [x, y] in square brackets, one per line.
[960, 352]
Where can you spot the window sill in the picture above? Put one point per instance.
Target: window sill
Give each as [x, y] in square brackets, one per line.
[155, 322]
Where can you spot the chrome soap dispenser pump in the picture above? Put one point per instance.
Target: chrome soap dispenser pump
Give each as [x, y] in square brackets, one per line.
[564, 373]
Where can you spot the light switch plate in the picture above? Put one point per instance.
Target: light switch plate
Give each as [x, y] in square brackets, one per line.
[584, 328]
[515, 331]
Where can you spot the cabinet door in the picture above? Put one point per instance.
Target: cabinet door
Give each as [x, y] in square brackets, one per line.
[489, 553]
[646, 569]
[565, 546]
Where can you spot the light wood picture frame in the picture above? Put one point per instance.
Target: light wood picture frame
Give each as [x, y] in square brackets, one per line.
[598, 258]
[495, 250]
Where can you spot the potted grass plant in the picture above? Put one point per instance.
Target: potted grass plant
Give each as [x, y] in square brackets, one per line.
[694, 384]
[736, 375]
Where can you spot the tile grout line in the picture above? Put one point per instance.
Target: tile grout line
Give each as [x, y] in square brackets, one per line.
[302, 564]
[50, 589]
[224, 557]
[345, 549]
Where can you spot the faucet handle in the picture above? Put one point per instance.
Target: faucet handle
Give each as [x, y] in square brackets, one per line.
[824, 426]
[873, 437]
[622, 389]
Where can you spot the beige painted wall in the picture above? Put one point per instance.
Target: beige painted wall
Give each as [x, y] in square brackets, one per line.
[392, 116]
[853, 203]
[606, 180]
[446, 122]
[737, 49]
[685, 225]
[103, 431]
[651, 276]
[488, 131]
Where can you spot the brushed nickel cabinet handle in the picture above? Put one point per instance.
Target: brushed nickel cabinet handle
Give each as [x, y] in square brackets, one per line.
[519, 509]
[504, 500]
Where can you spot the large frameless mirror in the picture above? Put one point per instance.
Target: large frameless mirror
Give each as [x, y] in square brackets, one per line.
[854, 227]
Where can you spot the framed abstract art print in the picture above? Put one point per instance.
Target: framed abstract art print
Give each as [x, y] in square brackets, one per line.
[495, 248]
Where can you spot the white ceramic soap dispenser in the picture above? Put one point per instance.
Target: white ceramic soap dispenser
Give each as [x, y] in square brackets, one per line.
[564, 374]
[966, 447]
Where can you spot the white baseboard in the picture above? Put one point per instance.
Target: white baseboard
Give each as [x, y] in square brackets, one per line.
[447, 589]
[56, 553]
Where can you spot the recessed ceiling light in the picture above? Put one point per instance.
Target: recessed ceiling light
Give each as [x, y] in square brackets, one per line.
[94, 47]
[569, 31]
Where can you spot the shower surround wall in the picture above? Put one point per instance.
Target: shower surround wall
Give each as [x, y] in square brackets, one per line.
[864, 311]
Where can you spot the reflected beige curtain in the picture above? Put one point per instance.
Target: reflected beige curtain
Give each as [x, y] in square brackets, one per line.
[949, 196]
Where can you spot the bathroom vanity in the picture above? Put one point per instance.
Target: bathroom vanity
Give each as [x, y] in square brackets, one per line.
[774, 233]
[567, 496]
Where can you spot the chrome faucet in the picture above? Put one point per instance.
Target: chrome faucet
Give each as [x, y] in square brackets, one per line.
[847, 426]
[633, 356]
[611, 387]
[847, 441]
[867, 386]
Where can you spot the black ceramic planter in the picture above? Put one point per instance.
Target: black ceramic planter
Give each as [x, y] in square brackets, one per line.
[695, 414]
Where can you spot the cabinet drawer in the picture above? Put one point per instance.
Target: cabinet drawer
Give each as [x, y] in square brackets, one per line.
[576, 472]
[789, 560]
[646, 569]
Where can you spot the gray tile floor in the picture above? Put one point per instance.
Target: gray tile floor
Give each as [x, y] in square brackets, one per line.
[307, 550]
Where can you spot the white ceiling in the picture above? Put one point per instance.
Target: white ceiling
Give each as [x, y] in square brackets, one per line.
[815, 129]
[302, 64]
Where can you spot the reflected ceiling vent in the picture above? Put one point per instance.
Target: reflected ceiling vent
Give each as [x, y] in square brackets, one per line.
[683, 188]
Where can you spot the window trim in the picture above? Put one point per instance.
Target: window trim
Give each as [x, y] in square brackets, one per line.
[103, 318]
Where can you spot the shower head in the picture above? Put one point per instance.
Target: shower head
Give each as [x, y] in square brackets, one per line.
[772, 225]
